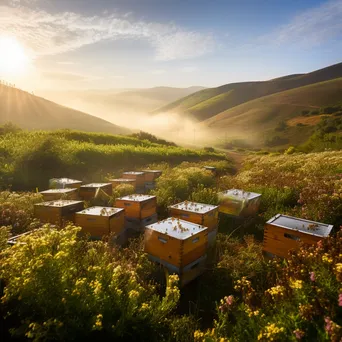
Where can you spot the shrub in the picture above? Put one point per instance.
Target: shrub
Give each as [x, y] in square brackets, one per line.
[63, 288]
[290, 150]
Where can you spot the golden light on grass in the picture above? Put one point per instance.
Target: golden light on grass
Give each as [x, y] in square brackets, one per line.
[13, 57]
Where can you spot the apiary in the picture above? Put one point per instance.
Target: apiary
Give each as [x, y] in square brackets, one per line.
[239, 203]
[56, 212]
[57, 194]
[139, 177]
[101, 221]
[283, 233]
[62, 183]
[139, 225]
[203, 214]
[138, 206]
[89, 191]
[151, 175]
[119, 181]
[176, 243]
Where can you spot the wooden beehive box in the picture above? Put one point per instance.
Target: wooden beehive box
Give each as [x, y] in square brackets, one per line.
[176, 242]
[138, 206]
[119, 181]
[203, 214]
[56, 212]
[151, 175]
[283, 233]
[62, 183]
[138, 176]
[101, 221]
[57, 194]
[89, 191]
[239, 203]
[211, 169]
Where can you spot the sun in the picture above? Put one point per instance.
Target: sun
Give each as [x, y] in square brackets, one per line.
[13, 59]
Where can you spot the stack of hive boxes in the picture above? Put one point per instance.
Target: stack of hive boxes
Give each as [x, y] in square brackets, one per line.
[90, 191]
[140, 210]
[283, 233]
[236, 202]
[180, 246]
[202, 214]
[139, 178]
[57, 212]
[101, 221]
[150, 178]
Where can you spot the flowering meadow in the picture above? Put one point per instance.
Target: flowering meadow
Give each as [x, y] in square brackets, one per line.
[57, 286]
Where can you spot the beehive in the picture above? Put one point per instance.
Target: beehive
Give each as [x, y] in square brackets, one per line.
[176, 242]
[101, 221]
[89, 191]
[57, 194]
[210, 168]
[283, 233]
[139, 177]
[119, 181]
[62, 183]
[56, 212]
[151, 175]
[239, 203]
[203, 214]
[138, 206]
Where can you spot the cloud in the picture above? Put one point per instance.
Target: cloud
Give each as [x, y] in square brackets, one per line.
[189, 69]
[62, 76]
[312, 27]
[55, 33]
[65, 63]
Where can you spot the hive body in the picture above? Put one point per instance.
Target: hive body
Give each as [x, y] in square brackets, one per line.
[139, 178]
[101, 221]
[57, 194]
[283, 233]
[239, 203]
[57, 212]
[89, 191]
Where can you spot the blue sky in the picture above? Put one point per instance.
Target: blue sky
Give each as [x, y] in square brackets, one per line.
[87, 44]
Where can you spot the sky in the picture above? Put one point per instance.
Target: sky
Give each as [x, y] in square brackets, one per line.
[107, 44]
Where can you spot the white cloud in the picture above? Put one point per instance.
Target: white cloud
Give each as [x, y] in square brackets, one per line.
[49, 34]
[189, 69]
[314, 26]
[65, 63]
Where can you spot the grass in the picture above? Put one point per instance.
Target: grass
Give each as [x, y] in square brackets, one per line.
[30, 159]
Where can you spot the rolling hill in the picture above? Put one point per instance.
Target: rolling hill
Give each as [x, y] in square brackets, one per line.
[212, 101]
[33, 112]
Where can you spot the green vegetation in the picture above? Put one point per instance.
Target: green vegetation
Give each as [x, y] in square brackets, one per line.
[29, 159]
[58, 286]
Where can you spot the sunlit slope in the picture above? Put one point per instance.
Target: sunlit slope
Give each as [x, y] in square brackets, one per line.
[209, 102]
[266, 112]
[32, 112]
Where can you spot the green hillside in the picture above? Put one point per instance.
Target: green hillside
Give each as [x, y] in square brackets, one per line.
[32, 112]
[262, 115]
[209, 102]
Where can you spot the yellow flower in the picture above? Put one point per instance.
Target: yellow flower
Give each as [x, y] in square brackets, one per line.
[339, 268]
[296, 284]
[133, 294]
[270, 332]
[276, 291]
[326, 258]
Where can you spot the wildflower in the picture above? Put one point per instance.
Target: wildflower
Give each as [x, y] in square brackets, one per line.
[98, 322]
[133, 294]
[340, 299]
[326, 258]
[296, 284]
[229, 300]
[270, 332]
[299, 334]
[276, 291]
[312, 276]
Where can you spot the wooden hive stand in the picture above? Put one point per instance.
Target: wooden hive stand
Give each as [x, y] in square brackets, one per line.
[203, 214]
[101, 221]
[62, 183]
[89, 191]
[283, 233]
[118, 181]
[57, 212]
[237, 202]
[178, 245]
[57, 194]
[138, 176]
